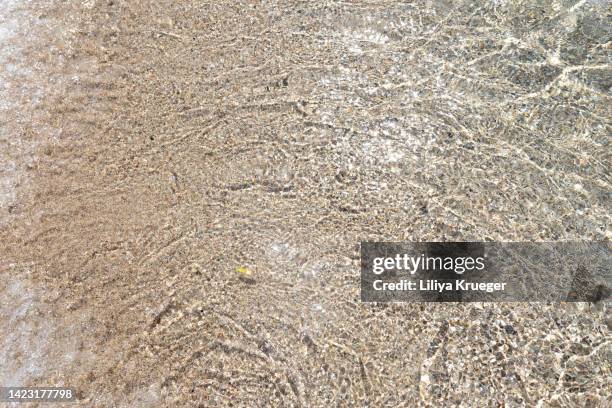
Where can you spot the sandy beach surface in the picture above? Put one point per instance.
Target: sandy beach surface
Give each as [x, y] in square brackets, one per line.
[184, 186]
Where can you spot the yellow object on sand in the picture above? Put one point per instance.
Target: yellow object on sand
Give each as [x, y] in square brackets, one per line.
[244, 271]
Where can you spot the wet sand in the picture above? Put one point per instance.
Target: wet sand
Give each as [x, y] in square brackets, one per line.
[150, 151]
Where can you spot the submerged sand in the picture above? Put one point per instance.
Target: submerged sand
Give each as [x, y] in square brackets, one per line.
[154, 151]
